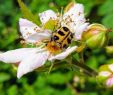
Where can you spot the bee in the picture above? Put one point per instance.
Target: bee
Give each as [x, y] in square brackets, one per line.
[62, 37]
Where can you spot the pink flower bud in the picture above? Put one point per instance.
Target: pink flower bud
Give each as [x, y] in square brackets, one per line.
[95, 36]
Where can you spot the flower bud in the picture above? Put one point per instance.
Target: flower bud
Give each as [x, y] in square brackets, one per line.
[105, 76]
[109, 49]
[95, 36]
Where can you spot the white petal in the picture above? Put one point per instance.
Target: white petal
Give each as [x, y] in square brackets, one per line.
[27, 28]
[79, 29]
[76, 14]
[104, 73]
[76, 9]
[32, 62]
[31, 32]
[14, 56]
[110, 67]
[109, 82]
[46, 35]
[46, 15]
[75, 20]
[64, 54]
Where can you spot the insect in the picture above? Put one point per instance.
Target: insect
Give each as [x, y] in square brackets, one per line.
[62, 37]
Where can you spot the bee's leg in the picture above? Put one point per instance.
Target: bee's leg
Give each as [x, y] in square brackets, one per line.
[60, 45]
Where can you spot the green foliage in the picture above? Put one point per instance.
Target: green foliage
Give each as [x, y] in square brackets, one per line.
[60, 81]
[106, 10]
[54, 78]
[107, 20]
[27, 13]
[12, 90]
[4, 77]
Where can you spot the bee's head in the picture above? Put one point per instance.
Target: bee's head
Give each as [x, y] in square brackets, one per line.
[53, 47]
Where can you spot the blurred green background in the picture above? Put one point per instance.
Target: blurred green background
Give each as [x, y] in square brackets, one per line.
[60, 81]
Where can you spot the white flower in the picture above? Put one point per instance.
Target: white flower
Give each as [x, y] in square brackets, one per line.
[30, 59]
[106, 75]
[31, 32]
[78, 22]
[74, 19]
[109, 81]
[45, 16]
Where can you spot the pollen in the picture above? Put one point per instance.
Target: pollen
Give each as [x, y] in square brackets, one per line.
[53, 48]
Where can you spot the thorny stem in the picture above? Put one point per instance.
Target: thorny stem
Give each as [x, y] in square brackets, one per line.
[82, 57]
[86, 69]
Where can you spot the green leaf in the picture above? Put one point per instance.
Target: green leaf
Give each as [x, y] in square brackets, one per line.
[28, 14]
[4, 77]
[106, 8]
[59, 78]
[29, 90]
[110, 61]
[108, 21]
[92, 61]
[12, 90]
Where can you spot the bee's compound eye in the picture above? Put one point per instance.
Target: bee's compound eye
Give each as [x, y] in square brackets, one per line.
[55, 38]
[65, 29]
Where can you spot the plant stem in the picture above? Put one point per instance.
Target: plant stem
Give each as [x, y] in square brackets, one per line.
[85, 68]
[82, 57]
[74, 63]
